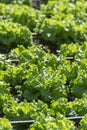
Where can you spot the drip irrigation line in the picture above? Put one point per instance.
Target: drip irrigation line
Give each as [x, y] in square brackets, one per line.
[22, 122]
[17, 61]
[69, 58]
[75, 118]
[13, 61]
[32, 121]
[2, 17]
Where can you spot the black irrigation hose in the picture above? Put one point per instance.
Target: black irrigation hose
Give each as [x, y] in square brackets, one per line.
[75, 118]
[27, 123]
[17, 61]
[13, 61]
[69, 58]
[21, 122]
[32, 121]
[2, 17]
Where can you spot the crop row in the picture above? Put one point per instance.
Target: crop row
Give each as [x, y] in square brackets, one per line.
[42, 86]
[57, 22]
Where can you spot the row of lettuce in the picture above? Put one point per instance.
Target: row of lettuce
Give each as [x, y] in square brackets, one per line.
[44, 87]
[57, 22]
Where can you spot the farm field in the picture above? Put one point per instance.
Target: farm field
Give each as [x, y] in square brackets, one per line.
[43, 65]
